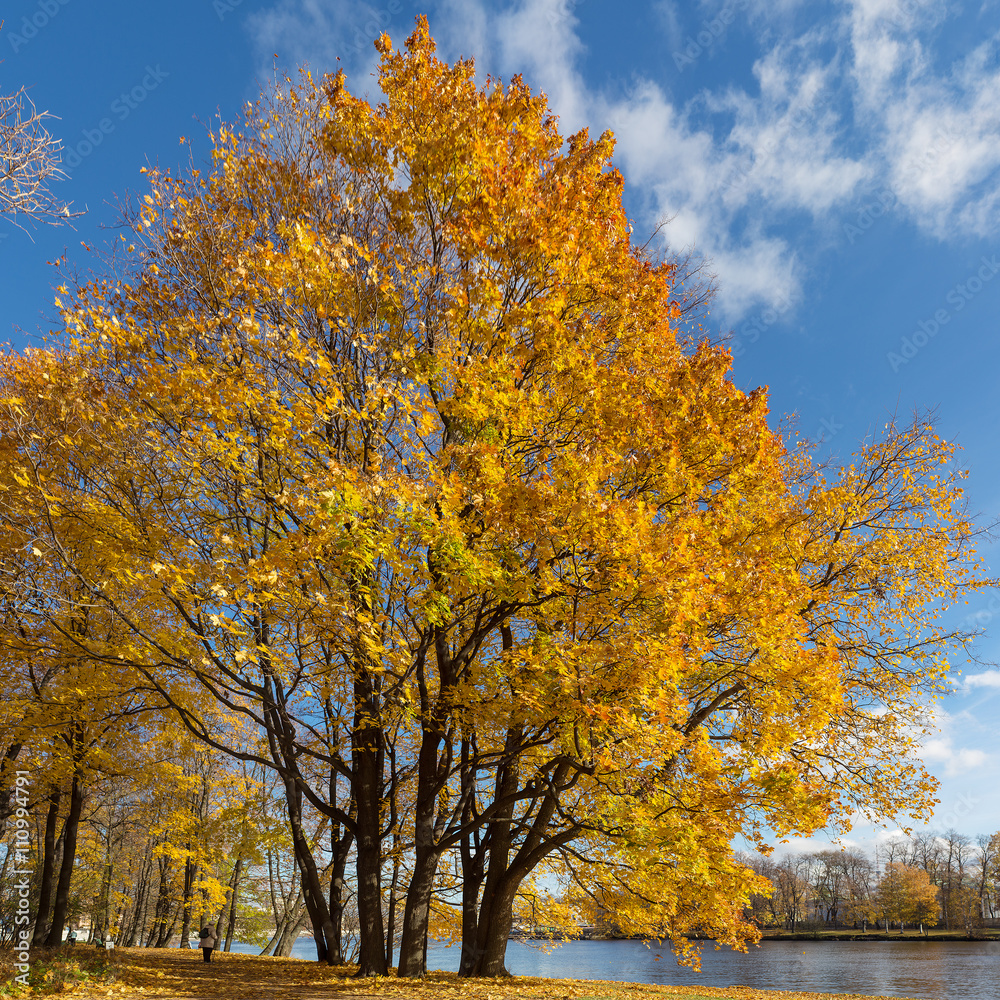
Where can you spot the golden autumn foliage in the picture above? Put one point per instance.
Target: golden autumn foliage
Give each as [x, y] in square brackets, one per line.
[906, 895]
[389, 447]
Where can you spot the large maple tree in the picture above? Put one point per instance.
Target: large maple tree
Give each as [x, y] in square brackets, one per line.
[401, 458]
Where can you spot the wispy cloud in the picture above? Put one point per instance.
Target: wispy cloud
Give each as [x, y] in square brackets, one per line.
[735, 167]
[987, 679]
[318, 33]
[940, 751]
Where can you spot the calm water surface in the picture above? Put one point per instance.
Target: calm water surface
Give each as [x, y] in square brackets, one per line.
[960, 970]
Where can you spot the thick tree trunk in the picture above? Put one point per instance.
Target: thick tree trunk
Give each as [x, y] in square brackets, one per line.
[71, 830]
[494, 929]
[496, 912]
[341, 847]
[371, 957]
[48, 867]
[190, 874]
[312, 889]
[290, 933]
[417, 912]
[234, 885]
[427, 854]
[367, 751]
[159, 933]
[499, 840]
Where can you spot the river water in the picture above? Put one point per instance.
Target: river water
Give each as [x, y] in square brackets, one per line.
[953, 970]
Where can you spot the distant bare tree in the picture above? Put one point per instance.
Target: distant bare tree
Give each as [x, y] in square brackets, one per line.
[30, 160]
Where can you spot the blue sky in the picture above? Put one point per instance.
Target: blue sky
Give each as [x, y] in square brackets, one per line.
[838, 162]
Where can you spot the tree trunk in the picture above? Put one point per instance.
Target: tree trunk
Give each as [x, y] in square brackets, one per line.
[473, 859]
[498, 840]
[494, 930]
[159, 933]
[169, 932]
[190, 875]
[142, 909]
[234, 884]
[281, 743]
[390, 928]
[291, 933]
[367, 750]
[70, 831]
[341, 847]
[496, 912]
[312, 889]
[417, 912]
[48, 867]
[8, 782]
[427, 853]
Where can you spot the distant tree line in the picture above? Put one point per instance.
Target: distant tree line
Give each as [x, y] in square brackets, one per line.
[948, 880]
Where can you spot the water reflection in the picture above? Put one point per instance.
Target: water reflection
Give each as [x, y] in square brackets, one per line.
[961, 970]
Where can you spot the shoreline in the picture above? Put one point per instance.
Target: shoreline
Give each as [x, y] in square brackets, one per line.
[989, 936]
[940, 936]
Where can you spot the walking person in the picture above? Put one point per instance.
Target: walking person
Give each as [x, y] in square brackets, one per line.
[207, 938]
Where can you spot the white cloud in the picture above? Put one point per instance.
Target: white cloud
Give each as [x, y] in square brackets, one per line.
[934, 131]
[538, 38]
[956, 760]
[462, 29]
[319, 32]
[987, 679]
[737, 163]
[940, 753]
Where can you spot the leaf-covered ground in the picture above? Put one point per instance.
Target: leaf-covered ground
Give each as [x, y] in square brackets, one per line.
[182, 975]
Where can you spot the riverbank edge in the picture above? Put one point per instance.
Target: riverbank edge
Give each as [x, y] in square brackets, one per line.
[984, 937]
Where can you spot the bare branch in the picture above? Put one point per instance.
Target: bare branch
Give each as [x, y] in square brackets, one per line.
[30, 160]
